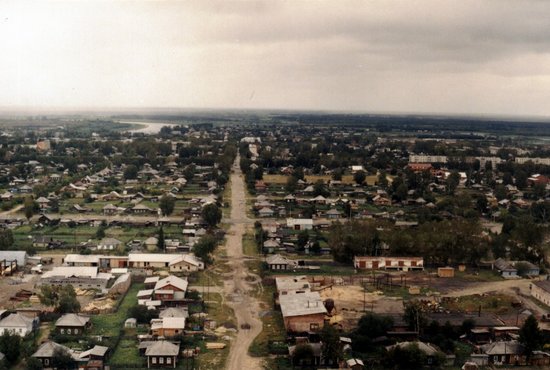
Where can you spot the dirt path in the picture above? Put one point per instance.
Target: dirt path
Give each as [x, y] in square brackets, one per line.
[12, 211]
[236, 290]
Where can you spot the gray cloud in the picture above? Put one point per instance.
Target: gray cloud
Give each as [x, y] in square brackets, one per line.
[431, 56]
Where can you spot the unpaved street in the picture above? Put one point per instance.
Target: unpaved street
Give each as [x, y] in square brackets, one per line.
[236, 289]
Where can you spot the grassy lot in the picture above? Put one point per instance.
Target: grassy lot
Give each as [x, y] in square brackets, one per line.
[127, 353]
[273, 326]
[111, 324]
[249, 244]
[479, 276]
[218, 310]
[495, 303]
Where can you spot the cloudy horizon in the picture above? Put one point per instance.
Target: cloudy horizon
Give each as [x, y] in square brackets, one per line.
[459, 57]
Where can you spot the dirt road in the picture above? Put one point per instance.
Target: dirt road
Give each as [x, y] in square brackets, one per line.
[236, 289]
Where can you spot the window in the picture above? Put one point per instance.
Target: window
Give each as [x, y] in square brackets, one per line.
[62, 331]
[169, 360]
[313, 326]
[154, 360]
[68, 331]
[161, 360]
[76, 331]
[46, 361]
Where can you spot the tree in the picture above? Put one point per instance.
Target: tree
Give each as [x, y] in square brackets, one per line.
[371, 326]
[501, 192]
[410, 357]
[319, 188]
[331, 348]
[452, 182]
[130, 172]
[337, 174]
[63, 299]
[530, 335]
[67, 300]
[303, 238]
[10, 346]
[62, 359]
[211, 214]
[160, 239]
[205, 247]
[29, 206]
[33, 364]
[100, 233]
[6, 239]
[414, 316]
[359, 177]
[382, 180]
[167, 204]
[291, 184]
[142, 314]
[303, 353]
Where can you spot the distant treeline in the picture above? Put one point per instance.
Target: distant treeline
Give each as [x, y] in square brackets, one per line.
[460, 126]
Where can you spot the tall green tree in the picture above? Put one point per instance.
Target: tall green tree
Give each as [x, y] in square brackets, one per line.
[331, 348]
[160, 239]
[211, 214]
[204, 248]
[359, 177]
[167, 204]
[530, 335]
[29, 207]
[452, 182]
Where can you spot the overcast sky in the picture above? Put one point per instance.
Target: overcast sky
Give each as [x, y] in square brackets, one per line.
[474, 57]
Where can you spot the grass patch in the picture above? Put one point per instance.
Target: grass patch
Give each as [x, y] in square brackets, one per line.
[218, 310]
[127, 353]
[111, 324]
[273, 327]
[249, 244]
[495, 303]
[479, 276]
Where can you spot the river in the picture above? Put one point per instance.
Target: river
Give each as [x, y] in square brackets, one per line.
[148, 128]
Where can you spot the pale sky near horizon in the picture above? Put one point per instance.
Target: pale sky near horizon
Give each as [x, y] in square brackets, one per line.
[465, 57]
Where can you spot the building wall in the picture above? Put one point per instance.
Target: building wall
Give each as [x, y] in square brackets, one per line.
[70, 330]
[540, 294]
[161, 361]
[167, 332]
[83, 283]
[15, 330]
[304, 323]
[384, 263]
[183, 267]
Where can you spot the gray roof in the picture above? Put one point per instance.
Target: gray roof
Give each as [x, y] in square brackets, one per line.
[47, 349]
[98, 351]
[17, 320]
[277, 259]
[173, 312]
[110, 241]
[543, 284]
[301, 304]
[162, 348]
[501, 348]
[72, 319]
[503, 265]
[427, 348]
[19, 256]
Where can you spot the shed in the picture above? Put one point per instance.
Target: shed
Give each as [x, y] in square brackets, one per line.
[446, 272]
[130, 323]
